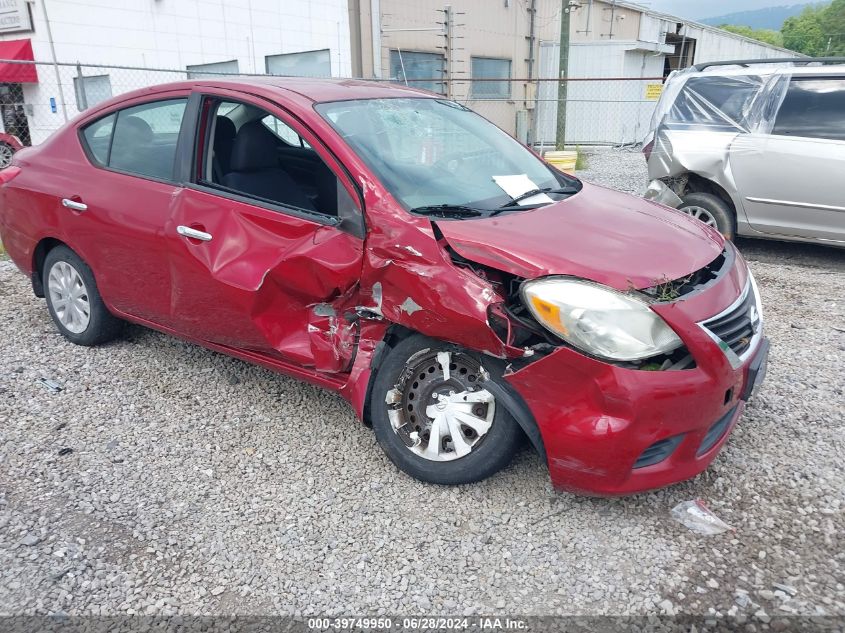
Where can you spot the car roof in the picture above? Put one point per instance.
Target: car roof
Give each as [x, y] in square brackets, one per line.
[316, 90]
[766, 70]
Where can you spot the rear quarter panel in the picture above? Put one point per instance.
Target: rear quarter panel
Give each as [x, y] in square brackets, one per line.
[30, 207]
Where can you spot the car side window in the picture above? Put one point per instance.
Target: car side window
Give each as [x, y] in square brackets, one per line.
[284, 132]
[98, 138]
[715, 101]
[813, 108]
[139, 140]
[252, 153]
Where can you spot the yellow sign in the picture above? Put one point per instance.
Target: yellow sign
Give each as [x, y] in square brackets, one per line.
[653, 91]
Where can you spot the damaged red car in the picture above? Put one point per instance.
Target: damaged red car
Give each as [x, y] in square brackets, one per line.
[398, 248]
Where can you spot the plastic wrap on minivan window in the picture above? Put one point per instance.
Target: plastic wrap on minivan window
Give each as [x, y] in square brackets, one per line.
[721, 101]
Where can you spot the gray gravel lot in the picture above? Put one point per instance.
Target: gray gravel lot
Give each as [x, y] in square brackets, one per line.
[165, 478]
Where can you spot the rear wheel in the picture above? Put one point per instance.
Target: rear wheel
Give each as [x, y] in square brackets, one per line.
[434, 418]
[74, 301]
[711, 210]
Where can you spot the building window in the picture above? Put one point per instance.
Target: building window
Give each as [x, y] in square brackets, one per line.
[199, 71]
[91, 90]
[305, 64]
[489, 68]
[418, 70]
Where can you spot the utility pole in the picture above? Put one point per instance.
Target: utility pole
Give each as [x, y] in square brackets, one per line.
[449, 59]
[563, 74]
[55, 62]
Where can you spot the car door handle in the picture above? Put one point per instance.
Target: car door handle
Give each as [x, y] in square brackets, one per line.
[194, 234]
[75, 205]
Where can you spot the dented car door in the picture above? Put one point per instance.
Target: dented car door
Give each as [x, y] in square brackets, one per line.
[259, 277]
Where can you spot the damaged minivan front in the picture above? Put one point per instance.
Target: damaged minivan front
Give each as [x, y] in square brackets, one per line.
[396, 247]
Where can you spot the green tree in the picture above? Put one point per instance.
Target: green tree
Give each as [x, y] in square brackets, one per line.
[762, 35]
[805, 33]
[818, 31]
[835, 25]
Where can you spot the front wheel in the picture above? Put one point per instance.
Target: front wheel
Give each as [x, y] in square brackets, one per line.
[711, 210]
[434, 418]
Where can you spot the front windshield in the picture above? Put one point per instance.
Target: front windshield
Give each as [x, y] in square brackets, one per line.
[431, 152]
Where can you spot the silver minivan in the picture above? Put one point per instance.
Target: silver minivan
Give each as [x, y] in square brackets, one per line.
[754, 148]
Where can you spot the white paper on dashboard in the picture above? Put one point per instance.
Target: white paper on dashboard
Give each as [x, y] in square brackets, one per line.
[519, 184]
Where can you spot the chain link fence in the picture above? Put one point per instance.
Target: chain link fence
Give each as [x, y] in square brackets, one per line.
[543, 113]
[549, 113]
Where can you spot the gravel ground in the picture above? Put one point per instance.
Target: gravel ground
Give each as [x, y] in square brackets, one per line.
[164, 478]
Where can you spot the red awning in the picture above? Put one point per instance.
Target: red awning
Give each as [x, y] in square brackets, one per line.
[17, 73]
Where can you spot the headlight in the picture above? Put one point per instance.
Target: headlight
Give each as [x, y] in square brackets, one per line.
[598, 320]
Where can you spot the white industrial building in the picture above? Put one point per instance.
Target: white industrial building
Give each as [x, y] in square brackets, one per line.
[296, 37]
[631, 48]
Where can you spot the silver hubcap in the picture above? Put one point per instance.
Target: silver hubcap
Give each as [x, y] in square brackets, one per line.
[702, 214]
[69, 297]
[437, 408]
[5, 155]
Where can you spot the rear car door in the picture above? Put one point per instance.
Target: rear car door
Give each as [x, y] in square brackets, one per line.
[116, 207]
[261, 260]
[790, 181]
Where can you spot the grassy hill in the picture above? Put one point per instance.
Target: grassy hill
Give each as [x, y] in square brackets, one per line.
[768, 18]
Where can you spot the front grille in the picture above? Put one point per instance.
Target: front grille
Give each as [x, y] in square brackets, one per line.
[658, 451]
[736, 327]
[673, 290]
[715, 433]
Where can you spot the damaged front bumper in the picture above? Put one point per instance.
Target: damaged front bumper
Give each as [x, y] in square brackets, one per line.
[612, 430]
[659, 192]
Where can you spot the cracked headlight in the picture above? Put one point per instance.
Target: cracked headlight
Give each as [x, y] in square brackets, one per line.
[598, 320]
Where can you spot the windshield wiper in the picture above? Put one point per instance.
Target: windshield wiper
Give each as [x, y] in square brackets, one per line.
[537, 192]
[448, 209]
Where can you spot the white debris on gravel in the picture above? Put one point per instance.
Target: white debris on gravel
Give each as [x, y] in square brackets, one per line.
[165, 479]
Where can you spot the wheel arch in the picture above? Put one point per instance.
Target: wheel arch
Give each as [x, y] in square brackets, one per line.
[39, 255]
[392, 336]
[700, 184]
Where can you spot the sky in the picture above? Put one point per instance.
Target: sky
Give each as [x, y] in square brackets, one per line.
[694, 9]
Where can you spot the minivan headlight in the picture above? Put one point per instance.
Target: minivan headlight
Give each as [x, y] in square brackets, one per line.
[598, 320]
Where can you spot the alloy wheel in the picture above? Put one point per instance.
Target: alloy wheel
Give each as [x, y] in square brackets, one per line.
[438, 408]
[69, 297]
[6, 154]
[701, 214]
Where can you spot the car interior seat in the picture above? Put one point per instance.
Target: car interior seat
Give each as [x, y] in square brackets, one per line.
[224, 139]
[255, 170]
[132, 145]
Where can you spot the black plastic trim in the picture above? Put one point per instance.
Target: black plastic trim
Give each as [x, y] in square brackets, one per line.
[521, 413]
[715, 433]
[659, 451]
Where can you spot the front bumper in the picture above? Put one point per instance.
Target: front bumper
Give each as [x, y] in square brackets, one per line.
[603, 426]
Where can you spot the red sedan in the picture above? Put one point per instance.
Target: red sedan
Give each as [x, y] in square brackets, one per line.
[396, 247]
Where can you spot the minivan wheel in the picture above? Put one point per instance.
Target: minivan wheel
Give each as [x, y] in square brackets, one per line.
[73, 300]
[711, 210]
[434, 418]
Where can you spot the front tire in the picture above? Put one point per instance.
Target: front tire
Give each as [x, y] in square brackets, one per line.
[73, 300]
[711, 210]
[434, 419]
